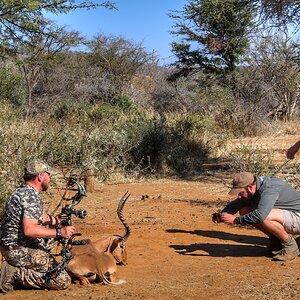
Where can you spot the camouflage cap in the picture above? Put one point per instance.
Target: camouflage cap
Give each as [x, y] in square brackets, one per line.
[37, 166]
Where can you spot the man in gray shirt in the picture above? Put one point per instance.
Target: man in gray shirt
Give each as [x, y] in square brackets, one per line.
[271, 205]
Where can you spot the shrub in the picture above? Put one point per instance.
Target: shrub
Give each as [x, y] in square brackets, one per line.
[104, 113]
[70, 109]
[11, 87]
[250, 158]
[9, 112]
[123, 101]
[170, 147]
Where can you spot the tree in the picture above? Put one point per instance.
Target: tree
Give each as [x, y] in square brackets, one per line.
[214, 36]
[66, 79]
[38, 52]
[272, 79]
[23, 17]
[280, 12]
[116, 61]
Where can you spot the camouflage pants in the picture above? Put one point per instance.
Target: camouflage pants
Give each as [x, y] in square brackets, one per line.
[32, 266]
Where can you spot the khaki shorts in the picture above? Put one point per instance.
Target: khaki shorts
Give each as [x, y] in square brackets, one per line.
[291, 221]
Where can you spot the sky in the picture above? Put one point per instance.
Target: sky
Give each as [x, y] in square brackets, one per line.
[139, 21]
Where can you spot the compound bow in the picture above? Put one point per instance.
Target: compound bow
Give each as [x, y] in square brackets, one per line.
[65, 217]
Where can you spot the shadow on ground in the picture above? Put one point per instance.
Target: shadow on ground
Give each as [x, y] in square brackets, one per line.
[253, 245]
[220, 250]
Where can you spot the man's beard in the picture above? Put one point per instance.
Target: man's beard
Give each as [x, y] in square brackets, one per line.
[250, 195]
[45, 186]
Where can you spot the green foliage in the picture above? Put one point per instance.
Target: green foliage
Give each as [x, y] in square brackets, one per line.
[11, 87]
[104, 113]
[214, 97]
[15, 146]
[222, 112]
[19, 19]
[279, 12]
[37, 54]
[84, 112]
[185, 126]
[10, 113]
[214, 35]
[171, 148]
[70, 109]
[250, 158]
[123, 101]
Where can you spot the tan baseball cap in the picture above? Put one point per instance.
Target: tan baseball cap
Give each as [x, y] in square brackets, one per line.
[240, 181]
[37, 166]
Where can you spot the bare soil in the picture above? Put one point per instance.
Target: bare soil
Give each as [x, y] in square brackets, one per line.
[175, 251]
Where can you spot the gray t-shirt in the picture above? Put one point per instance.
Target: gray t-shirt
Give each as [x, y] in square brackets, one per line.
[271, 192]
[25, 202]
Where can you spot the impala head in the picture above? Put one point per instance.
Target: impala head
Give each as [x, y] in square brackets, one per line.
[118, 250]
[118, 244]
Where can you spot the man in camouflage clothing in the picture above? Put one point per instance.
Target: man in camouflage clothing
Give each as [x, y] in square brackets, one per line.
[24, 237]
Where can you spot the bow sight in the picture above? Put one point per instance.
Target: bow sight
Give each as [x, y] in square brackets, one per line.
[68, 210]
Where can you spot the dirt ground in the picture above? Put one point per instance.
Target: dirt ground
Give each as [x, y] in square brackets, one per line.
[174, 250]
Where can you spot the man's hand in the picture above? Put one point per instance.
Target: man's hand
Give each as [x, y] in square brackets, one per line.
[67, 231]
[227, 218]
[290, 154]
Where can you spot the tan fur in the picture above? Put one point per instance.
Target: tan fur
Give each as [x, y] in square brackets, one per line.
[88, 263]
[100, 258]
[115, 245]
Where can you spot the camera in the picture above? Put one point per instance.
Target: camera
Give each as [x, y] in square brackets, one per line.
[216, 217]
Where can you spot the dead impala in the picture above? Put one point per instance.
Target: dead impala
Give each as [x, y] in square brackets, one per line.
[99, 258]
[115, 244]
[89, 265]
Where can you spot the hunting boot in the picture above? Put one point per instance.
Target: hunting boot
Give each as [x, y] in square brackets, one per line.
[289, 250]
[275, 245]
[7, 277]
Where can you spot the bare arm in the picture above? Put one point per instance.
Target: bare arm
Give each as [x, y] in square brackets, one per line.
[50, 220]
[228, 212]
[32, 229]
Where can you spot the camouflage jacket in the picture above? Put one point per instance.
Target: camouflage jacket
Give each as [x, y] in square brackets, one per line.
[25, 202]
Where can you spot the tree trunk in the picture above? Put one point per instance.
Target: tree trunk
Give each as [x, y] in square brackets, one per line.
[29, 102]
[89, 181]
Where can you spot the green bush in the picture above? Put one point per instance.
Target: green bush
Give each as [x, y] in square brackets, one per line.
[10, 112]
[250, 158]
[11, 87]
[104, 138]
[123, 101]
[170, 147]
[71, 109]
[104, 113]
